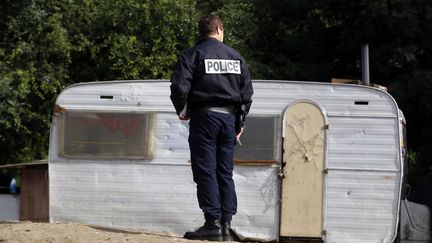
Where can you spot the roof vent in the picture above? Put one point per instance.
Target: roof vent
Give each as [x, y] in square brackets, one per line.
[361, 102]
[106, 97]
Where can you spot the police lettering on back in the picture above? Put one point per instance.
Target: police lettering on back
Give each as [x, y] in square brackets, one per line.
[222, 66]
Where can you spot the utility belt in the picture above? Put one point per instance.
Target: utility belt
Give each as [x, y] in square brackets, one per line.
[232, 110]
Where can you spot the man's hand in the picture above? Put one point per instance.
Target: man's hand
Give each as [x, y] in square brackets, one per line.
[239, 134]
[184, 118]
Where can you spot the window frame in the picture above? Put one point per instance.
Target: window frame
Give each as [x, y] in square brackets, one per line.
[148, 139]
[276, 142]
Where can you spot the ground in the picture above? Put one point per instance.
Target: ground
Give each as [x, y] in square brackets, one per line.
[79, 233]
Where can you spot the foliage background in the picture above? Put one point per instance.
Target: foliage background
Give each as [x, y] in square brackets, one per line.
[46, 45]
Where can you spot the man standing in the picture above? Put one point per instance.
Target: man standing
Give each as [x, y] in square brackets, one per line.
[211, 86]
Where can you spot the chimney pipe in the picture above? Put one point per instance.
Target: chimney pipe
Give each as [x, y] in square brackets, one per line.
[365, 64]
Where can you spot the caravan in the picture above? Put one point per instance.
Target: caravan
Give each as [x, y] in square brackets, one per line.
[317, 161]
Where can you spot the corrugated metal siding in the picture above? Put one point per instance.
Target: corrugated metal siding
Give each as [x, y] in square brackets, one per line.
[337, 99]
[362, 163]
[135, 96]
[363, 143]
[158, 194]
[155, 197]
[123, 194]
[269, 97]
[171, 140]
[361, 206]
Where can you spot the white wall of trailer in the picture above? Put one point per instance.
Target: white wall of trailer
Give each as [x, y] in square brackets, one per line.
[362, 183]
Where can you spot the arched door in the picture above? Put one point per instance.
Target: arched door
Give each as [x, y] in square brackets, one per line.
[304, 125]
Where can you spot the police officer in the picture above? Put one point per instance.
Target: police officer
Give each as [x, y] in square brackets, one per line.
[211, 86]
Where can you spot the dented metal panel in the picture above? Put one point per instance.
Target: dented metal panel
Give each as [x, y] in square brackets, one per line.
[362, 164]
[269, 97]
[155, 197]
[157, 194]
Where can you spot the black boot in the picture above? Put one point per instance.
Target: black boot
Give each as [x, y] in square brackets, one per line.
[226, 231]
[211, 231]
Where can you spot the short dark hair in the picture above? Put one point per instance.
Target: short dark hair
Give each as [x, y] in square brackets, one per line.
[208, 24]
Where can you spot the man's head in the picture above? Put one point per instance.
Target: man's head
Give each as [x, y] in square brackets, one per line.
[211, 26]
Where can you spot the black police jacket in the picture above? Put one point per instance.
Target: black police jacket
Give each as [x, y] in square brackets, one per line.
[211, 74]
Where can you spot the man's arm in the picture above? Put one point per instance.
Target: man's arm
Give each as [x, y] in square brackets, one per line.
[246, 91]
[180, 86]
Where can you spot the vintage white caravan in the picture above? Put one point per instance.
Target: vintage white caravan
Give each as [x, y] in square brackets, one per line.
[318, 160]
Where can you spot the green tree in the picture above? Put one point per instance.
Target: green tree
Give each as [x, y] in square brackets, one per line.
[48, 45]
[320, 40]
[34, 63]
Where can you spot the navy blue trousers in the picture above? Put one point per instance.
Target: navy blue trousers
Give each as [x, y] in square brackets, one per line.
[212, 142]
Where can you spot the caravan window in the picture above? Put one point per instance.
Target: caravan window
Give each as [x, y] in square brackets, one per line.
[260, 139]
[106, 135]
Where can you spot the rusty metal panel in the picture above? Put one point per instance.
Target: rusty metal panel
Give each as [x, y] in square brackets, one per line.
[34, 194]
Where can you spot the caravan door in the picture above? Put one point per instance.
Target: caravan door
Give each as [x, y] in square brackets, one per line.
[304, 141]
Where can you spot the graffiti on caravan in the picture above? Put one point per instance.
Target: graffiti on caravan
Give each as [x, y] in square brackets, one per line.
[221, 66]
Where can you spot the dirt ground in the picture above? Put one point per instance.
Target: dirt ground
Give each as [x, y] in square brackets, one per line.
[79, 233]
